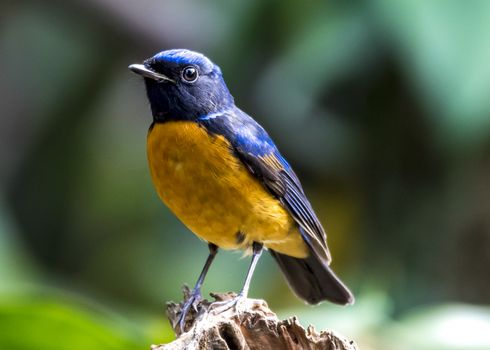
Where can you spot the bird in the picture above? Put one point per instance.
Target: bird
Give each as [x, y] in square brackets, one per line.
[222, 175]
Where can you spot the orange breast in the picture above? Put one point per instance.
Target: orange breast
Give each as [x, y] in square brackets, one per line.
[198, 177]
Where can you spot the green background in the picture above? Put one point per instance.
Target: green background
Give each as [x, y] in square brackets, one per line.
[382, 107]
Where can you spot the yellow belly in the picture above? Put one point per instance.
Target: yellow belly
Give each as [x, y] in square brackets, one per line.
[212, 192]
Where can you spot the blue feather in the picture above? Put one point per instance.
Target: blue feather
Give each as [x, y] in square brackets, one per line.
[184, 57]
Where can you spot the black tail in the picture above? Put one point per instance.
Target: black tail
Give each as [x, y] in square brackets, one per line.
[312, 280]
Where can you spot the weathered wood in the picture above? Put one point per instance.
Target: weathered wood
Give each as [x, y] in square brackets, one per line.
[249, 325]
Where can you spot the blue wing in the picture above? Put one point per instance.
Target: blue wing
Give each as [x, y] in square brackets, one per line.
[257, 151]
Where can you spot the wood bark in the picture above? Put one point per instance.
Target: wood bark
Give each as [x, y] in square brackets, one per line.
[248, 325]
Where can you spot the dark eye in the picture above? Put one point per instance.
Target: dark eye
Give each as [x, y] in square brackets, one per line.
[190, 74]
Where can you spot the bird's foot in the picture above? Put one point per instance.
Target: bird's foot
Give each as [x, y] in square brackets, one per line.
[221, 306]
[192, 301]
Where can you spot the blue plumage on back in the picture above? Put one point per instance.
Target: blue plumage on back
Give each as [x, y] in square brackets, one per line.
[241, 130]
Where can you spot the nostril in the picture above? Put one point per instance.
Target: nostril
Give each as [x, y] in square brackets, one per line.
[149, 63]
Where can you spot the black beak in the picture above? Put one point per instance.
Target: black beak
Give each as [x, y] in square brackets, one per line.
[148, 73]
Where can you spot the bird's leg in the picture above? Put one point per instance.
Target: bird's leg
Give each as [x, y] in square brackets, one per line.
[225, 305]
[196, 292]
[257, 252]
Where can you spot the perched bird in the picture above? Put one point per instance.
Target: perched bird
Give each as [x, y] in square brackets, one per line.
[221, 174]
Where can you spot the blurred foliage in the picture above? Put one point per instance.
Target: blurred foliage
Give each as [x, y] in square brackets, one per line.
[381, 106]
[444, 327]
[50, 320]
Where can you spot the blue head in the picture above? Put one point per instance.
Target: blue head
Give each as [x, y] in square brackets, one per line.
[183, 84]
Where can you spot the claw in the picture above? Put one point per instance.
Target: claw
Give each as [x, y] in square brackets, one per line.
[191, 302]
[221, 306]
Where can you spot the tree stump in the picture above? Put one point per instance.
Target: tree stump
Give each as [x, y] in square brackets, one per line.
[249, 325]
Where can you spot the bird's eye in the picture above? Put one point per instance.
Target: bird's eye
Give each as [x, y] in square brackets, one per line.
[190, 74]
